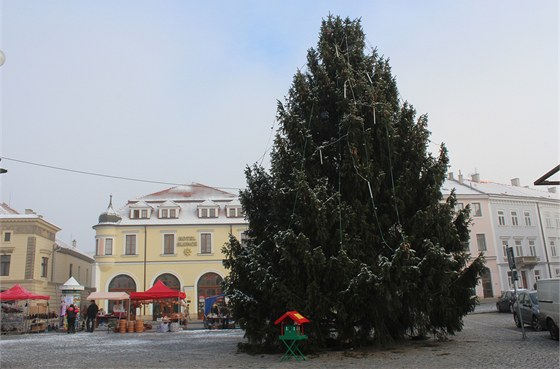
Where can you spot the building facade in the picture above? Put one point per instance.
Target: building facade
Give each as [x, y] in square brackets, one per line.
[510, 216]
[175, 235]
[31, 255]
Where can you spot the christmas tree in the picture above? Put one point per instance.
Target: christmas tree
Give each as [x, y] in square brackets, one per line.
[349, 226]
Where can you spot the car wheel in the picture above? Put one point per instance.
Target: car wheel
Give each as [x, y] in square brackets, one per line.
[516, 320]
[536, 324]
[553, 329]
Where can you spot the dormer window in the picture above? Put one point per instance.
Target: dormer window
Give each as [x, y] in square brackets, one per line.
[140, 210]
[234, 209]
[208, 209]
[234, 212]
[168, 210]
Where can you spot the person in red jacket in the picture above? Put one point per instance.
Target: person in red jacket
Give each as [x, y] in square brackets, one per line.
[71, 314]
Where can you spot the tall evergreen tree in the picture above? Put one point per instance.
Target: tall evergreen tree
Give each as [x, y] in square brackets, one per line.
[349, 227]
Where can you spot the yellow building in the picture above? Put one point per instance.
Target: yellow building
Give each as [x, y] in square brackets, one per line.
[175, 235]
[32, 256]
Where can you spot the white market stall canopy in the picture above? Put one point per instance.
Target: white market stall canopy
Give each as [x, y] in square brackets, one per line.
[108, 296]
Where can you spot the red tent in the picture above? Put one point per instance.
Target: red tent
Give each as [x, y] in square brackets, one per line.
[17, 292]
[158, 291]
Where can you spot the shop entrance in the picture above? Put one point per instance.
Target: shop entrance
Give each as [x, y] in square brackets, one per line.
[173, 283]
[210, 284]
[121, 283]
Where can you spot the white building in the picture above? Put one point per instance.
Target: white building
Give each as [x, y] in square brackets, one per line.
[510, 215]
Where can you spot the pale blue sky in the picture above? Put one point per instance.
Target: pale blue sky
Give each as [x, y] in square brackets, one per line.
[186, 91]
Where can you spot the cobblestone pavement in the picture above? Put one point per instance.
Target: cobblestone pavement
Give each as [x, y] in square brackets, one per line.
[489, 340]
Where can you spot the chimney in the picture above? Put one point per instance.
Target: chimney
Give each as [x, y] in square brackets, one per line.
[552, 189]
[74, 243]
[475, 177]
[460, 178]
[450, 176]
[515, 182]
[29, 211]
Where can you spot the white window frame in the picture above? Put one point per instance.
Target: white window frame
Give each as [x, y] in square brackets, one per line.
[174, 247]
[504, 248]
[126, 235]
[477, 209]
[501, 218]
[518, 247]
[200, 251]
[532, 248]
[112, 246]
[481, 242]
[527, 215]
[9, 234]
[514, 218]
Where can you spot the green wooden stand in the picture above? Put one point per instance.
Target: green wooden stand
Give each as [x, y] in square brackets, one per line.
[292, 339]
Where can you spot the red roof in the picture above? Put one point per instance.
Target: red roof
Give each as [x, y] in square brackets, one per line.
[294, 315]
[158, 291]
[17, 292]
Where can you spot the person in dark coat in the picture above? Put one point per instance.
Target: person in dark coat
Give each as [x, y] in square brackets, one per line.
[91, 315]
[71, 314]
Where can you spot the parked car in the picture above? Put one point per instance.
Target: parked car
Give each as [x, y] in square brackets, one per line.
[505, 302]
[529, 308]
[549, 296]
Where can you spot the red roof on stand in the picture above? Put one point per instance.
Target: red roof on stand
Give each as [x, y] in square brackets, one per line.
[294, 315]
[17, 292]
[158, 291]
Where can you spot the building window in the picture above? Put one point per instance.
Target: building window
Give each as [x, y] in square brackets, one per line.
[558, 272]
[44, 266]
[532, 248]
[108, 246]
[481, 242]
[501, 218]
[164, 213]
[459, 206]
[518, 248]
[537, 275]
[504, 248]
[5, 265]
[7, 236]
[173, 213]
[144, 213]
[212, 213]
[477, 210]
[514, 221]
[97, 251]
[70, 271]
[548, 220]
[208, 212]
[168, 244]
[205, 243]
[130, 244]
[552, 248]
[527, 218]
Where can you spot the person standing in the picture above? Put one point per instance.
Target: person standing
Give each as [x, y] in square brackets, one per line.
[91, 315]
[71, 314]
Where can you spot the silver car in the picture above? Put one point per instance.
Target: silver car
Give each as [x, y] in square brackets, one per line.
[529, 308]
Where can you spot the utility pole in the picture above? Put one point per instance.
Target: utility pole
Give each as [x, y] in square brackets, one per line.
[514, 279]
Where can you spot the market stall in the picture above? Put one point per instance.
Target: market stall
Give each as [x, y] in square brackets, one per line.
[111, 319]
[21, 319]
[168, 301]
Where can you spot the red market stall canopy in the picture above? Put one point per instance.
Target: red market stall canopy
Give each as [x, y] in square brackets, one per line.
[17, 292]
[157, 292]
